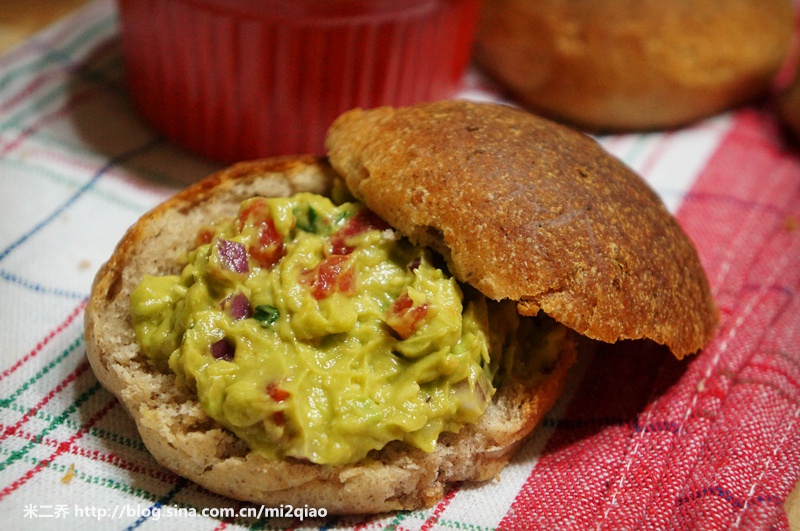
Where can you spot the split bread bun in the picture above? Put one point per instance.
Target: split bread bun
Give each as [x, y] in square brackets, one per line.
[519, 207]
[619, 65]
[181, 436]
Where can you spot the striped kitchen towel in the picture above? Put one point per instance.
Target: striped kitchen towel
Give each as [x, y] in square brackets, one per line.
[638, 441]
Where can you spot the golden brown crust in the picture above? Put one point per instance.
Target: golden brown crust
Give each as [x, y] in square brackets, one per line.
[633, 64]
[181, 437]
[528, 210]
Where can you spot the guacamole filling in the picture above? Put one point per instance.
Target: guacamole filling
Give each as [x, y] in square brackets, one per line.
[312, 330]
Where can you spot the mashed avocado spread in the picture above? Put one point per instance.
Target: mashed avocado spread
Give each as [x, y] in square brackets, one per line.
[313, 331]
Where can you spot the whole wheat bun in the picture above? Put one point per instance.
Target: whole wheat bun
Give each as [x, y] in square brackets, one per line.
[528, 210]
[633, 64]
[180, 435]
[521, 208]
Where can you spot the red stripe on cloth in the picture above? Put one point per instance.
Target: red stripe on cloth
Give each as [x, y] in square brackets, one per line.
[63, 447]
[439, 509]
[78, 311]
[70, 104]
[712, 442]
[80, 369]
[26, 91]
[155, 472]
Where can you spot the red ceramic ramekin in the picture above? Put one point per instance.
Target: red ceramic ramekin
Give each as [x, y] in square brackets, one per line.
[242, 79]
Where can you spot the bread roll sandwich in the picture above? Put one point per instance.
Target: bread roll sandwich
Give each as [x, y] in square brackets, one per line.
[620, 65]
[357, 332]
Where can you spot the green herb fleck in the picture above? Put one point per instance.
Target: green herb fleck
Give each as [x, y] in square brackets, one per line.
[307, 219]
[266, 314]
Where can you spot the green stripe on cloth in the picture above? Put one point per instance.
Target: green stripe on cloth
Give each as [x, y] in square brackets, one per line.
[58, 421]
[134, 443]
[5, 402]
[57, 55]
[88, 478]
[62, 180]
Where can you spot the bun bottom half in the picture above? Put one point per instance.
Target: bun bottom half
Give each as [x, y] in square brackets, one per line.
[182, 438]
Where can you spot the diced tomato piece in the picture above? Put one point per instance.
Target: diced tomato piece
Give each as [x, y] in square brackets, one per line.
[346, 283]
[256, 211]
[331, 275]
[279, 418]
[276, 393]
[363, 221]
[401, 305]
[269, 249]
[204, 236]
[403, 317]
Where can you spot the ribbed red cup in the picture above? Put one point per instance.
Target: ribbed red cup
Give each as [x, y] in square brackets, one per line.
[242, 79]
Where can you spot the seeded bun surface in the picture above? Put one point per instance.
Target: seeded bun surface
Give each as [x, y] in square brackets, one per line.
[528, 210]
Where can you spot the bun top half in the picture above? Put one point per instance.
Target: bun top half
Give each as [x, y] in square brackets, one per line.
[525, 209]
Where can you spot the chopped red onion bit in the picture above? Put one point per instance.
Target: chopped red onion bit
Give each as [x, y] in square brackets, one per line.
[238, 306]
[223, 350]
[413, 265]
[233, 255]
